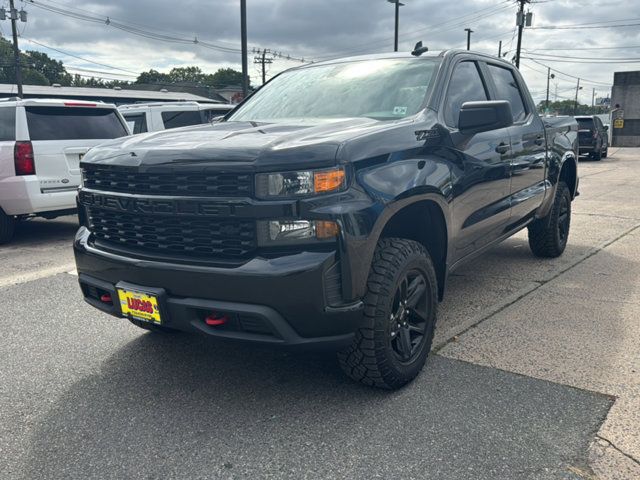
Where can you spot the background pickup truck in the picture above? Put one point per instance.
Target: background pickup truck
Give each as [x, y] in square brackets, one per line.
[329, 208]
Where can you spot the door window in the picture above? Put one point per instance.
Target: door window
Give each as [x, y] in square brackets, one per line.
[7, 123]
[465, 86]
[507, 89]
[181, 118]
[137, 122]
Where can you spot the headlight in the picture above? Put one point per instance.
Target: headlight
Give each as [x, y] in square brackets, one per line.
[274, 233]
[298, 184]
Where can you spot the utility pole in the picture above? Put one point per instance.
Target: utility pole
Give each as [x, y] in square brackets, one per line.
[500, 49]
[398, 4]
[520, 21]
[549, 77]
[593, 98]
[243, 35]
[469, 32]
[262, 59]
[575, 105]
[16, 52]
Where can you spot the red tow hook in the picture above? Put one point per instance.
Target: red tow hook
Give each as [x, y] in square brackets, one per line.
[106, 298]
[216, 319]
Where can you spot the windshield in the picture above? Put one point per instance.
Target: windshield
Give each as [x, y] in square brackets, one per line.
[381, 89]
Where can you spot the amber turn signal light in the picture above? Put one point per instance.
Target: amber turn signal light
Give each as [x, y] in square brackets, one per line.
[328, 180]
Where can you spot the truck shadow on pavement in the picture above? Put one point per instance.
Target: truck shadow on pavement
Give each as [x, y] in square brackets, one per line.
[181, 406]
[39, 231]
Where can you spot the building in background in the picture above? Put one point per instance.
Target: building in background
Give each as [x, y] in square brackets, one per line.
[119, 96]
[625, 110]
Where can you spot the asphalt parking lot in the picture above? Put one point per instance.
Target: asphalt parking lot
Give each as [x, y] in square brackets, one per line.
[536, 373]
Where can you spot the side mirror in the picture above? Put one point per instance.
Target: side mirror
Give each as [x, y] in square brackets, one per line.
[606, 128]
[476, 117]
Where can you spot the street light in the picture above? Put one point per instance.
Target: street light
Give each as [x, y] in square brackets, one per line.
[398, 5]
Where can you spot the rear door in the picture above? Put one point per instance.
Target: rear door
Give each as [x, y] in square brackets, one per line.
[481, 177]
[62, 134]
[586, 127]
[528, 144]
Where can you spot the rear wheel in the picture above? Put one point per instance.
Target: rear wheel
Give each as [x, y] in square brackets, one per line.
[151, 326]
[548, 236]
[7, 227]
[400, 312]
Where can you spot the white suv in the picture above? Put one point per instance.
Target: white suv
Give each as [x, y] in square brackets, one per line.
[41, 144]
[152, 117]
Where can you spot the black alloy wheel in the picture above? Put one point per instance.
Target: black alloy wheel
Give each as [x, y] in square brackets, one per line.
[409, 317]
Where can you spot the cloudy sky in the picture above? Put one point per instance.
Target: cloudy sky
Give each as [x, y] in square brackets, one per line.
[320, 29]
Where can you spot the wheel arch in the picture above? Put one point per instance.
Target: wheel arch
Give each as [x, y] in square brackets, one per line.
[569, 174]
[432, 233]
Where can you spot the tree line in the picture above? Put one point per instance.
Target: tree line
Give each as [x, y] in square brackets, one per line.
[38, 68]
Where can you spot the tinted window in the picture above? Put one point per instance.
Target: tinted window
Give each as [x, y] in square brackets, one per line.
[211, 114]
[137, 122]
[181, 119]
[585, 123]
[465, 86]
[380, 89]
[73, 123]
[7, 123]
[508, 89]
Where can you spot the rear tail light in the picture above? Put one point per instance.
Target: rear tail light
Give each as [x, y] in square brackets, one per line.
[23, 158]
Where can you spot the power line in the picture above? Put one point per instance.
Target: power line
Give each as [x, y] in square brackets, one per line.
[78, 57]
[439, 28]
[142, 32]
[594, 82]
[578, 27]
[581, 48]
[586, 61]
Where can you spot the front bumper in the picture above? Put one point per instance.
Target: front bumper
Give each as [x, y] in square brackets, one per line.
[282, 301]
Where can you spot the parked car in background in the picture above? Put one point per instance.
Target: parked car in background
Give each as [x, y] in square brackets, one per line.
[329, 208]
[593, 137]
[153, 117]
[41, 144]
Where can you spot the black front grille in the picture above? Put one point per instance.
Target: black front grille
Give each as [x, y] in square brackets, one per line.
[126, 180]
[174, 236]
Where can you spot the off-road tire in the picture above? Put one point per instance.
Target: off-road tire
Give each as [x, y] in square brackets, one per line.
[370, 359]
[152, 327]
[7, 227]
[605, 154]
[547, 236]
[597, 155]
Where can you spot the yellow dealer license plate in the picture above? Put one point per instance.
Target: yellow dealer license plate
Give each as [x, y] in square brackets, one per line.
[139, 305]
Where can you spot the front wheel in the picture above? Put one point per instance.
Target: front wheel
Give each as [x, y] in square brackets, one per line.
[400, 313]
[548, 236]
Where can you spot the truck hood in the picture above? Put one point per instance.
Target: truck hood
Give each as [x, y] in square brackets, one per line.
[237, 144]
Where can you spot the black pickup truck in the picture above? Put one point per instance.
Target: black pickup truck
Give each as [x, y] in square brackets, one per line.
[327, 209]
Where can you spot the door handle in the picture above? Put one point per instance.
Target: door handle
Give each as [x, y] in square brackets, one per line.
[539, 141]
[502, 148]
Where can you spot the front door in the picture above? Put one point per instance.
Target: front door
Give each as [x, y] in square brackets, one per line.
[482, 168]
